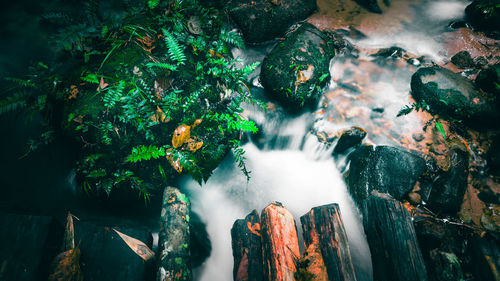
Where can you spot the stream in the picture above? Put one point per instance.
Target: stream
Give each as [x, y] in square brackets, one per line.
[288, 160]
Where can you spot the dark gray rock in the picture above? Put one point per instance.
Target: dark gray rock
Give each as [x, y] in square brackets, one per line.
[489, 80]
[105, 256]
[447, 191]
[453, 96]
[27, 246]
[372, 5]
[393, 243]
[484, 15]
[201, 246]
[444, 266]
[386, 169]
[297, 68]
[349, 138]
[494, 156]
[263, 20]
[463, 60]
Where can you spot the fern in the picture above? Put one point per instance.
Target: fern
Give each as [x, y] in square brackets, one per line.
[232, 38]
[143, 152]
[175, 51]
[162, 65]
[113, 94]
[14, 103]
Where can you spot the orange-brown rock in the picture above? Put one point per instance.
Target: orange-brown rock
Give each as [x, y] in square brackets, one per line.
[279, 242]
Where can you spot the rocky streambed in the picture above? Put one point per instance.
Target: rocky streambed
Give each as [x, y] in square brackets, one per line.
[381, 133]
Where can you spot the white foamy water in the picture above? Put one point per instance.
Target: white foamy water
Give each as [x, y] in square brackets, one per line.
[299, 179]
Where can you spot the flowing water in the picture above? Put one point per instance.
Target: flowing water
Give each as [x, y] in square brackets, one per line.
[287, 160]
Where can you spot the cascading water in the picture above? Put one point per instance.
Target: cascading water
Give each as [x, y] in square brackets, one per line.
[300, 175]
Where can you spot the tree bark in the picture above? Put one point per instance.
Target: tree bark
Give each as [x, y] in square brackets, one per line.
[393, 243]
[323, 228]
[173, 244]
[279, 242]
[247, 248]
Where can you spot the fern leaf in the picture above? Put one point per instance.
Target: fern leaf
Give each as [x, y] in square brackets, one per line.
[175, 51]
[232, 38]
[143, 152]
[13, 103]
[162, 65]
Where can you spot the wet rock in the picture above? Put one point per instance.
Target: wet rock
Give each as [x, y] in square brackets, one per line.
[393, 243]
[174, 260]
[27, 246]
[201, 247]
[489, 80]
[247, 248]
[485, 257]
[106, 256]
[447, 191]
[463, 60]
[393, 51]
[444, 266]
[279, 243]
[263, 20]
[323, 229]
[372, 5]
[434, 233]
[484, 15]
[386, 169]
[349, 138]
[494, 156]
[452, 96]
[297, 68]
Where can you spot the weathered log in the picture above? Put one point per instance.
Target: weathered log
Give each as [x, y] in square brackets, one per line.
[27, 246]
[485, 257]
[323, 227]
[279, 243]
[393, 243]
[247, 248]
[174, 240]
[104, 253]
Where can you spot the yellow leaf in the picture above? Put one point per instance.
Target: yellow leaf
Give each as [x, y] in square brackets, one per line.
[181, 135]
[193, 145]
[141, 249]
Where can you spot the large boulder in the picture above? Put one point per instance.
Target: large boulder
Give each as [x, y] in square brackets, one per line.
[484, 15]
[27, 246]
[452, 96]
[263, 20]
[297, 68]
[447, 191]
[386, 169]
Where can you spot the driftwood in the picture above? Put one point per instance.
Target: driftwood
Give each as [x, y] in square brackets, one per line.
[324, 230]
[393, 243]
[174, 240]
[247, 248]
[279, 242]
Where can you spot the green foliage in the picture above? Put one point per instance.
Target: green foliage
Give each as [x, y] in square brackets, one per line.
[440, 129]
[135, 77]
[417, 106]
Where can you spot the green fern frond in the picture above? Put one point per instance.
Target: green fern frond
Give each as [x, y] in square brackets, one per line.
[113, 94]
[175, 51]
[232, 38]
[13, 103]
[143, 152]
[24, 83]
[162, 65]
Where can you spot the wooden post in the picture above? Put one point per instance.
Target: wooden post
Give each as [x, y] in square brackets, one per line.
[393, 243]
[247, 248]
[323, 228]
[279, 242]
[173, 244]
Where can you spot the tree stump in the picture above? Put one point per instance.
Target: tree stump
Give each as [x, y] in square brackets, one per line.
[323, 227]
[279, 242]
[173, 244]
[393, 243]
[247, 248]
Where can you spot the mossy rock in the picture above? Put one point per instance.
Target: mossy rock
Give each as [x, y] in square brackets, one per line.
[484, 15]
[263, 20]
[453, 96]
[297, 69]
[489, 80]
